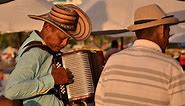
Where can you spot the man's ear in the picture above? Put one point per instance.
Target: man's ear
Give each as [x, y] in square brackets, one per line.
[160, 30]
[47, 26]
[65, 42]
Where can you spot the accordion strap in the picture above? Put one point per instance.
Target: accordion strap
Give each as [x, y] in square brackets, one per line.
[38, 44]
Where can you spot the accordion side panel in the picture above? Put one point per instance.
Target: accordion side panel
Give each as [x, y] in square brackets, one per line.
[79, 64]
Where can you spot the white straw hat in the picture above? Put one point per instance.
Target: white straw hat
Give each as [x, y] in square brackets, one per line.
[150, 16]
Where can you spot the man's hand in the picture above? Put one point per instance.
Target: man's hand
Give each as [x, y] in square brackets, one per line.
[61, 75]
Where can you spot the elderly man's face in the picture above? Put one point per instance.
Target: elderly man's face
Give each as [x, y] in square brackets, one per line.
[56, 39]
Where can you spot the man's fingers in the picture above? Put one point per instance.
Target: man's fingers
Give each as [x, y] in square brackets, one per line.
[69, 74]
[70, 81]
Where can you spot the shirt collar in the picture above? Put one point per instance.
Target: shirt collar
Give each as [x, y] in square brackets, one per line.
[37, 37]
[147, 43]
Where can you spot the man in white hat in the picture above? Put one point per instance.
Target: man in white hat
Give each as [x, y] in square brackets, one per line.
[143, 75]
[34, 76]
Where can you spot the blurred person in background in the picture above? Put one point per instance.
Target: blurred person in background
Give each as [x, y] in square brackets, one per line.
[35, 76]
[114, 49]
[143, 75]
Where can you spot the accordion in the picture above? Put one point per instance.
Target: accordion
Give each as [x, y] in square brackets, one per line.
[86, 66]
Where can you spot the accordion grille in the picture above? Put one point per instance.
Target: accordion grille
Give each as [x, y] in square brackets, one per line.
[79, 65]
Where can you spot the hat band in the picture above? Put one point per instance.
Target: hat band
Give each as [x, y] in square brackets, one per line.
[170, 20]
[143, 21]
[63, 26]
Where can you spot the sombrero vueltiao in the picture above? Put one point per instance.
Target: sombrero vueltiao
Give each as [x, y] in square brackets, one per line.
[70, 19]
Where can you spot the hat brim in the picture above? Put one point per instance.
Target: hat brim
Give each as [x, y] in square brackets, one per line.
[84, 22]
[83, 28]
[45, 18]
[168, 20]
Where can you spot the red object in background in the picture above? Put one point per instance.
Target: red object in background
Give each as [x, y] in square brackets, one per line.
[182, 60]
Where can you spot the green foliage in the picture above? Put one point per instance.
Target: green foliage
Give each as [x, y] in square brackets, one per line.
[12, 39]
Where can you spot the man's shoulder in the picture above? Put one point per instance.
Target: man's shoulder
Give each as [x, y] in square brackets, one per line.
[33, 47]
